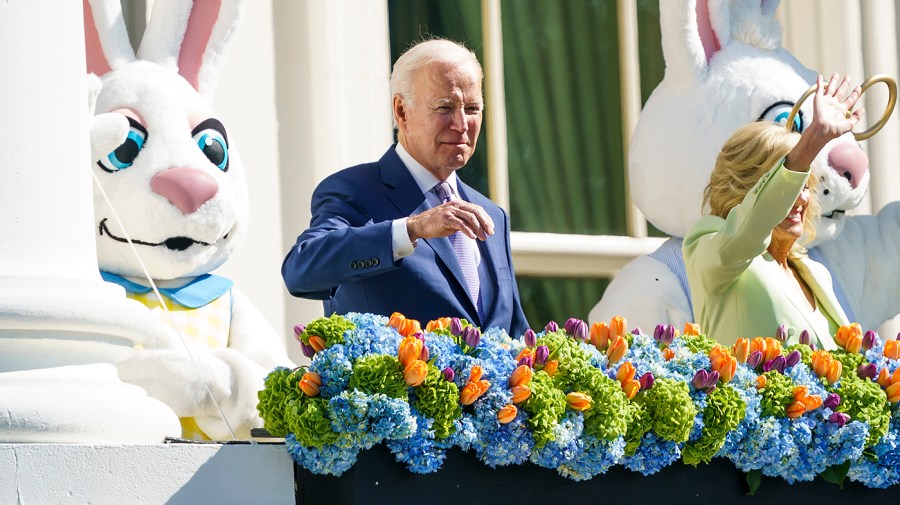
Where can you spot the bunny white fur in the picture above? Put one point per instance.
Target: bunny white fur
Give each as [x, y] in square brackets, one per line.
[181, 232]
[725, 67]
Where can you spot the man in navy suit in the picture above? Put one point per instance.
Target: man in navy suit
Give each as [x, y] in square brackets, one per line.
[404, 233]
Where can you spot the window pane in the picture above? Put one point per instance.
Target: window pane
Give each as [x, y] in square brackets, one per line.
[411, 21]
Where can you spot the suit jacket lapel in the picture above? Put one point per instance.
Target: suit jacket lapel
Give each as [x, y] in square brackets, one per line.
[493, 249]
[816, 277]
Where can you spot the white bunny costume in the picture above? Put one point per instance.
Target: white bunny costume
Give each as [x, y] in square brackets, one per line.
[725, 66]
[175, 179]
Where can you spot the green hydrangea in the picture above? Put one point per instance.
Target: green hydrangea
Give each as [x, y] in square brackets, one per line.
[563, 348]
[724, 411]
[610, 409]
[849, 360]
[864, 400]
[545, 407]
[777, 395]
[805, 353]
[329, 328]
[378, 373]
[279, 388]
[308, 421]
[439, 399]
[639, 423]
[670, 409]
[699, 343]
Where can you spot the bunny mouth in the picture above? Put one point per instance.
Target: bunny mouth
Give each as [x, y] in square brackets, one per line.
[831, 215]
[172, 243]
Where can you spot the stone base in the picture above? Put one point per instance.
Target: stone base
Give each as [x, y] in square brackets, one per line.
[174, 474]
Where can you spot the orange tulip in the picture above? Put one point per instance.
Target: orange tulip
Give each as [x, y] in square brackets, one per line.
[506, 414]
[316, 342]
[758, 344]
[761, 382]
[438, 324]
[895, 377]
[550, 367]
[800, 392]
[521, 376]
[475, 373]
[854, 344]
[415, 373]
[625, 373]
[579, 401]
[617, 348]
[617, 327]
[409, 351]
[395, 320]
[631, 388]
[409, 327]
[773, 349]
[727, 367]
[834, 371]
[308, 387]
[520, 393]
[893, 392]
[600, 335]
[470, 392]
[691, 329]
[482, 386]
[821, 362]
[313, 377]
[846, 333]
[795, 410]
[892, 349]
[741, 350]
[884, 378]
[526, 352]
[811, 402]
[668, 353]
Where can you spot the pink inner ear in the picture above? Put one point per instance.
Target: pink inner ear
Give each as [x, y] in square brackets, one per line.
[96, 58]
[708, 37]
[204, 14]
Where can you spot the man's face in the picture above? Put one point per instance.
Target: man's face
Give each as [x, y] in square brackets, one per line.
[441, 127]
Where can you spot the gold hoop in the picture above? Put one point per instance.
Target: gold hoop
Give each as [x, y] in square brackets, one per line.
[892, 101]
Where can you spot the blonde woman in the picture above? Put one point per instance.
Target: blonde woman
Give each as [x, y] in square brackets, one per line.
[748, 272]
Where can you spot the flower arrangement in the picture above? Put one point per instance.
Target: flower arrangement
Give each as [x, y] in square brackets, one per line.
[580, 399]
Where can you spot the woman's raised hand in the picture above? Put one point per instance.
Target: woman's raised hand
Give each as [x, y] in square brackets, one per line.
[833, 113]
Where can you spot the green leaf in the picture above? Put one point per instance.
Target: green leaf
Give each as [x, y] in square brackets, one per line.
[754, 479]
[836, 474]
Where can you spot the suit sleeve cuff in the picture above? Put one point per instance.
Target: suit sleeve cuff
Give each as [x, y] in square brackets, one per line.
[402, 245]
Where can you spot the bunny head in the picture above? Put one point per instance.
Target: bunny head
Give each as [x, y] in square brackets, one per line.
[161, 155]
[725, 67]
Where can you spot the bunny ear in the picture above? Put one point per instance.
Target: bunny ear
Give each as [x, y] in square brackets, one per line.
[105, 38]
[191, 37]
[692, 32]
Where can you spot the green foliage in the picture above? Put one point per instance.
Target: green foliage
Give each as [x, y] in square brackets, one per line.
[724, 411]
[378, 373]
[308, 421]
[610, 410]
[864, 400]
[329, 328]
[777, 395]
[670, 409]
[438, 399]
[563, 347]
[850, 362]
[279, 389]
[699, 343]
[638, 425]
[546, 406]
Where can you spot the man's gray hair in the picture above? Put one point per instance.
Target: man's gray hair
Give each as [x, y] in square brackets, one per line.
[447, 51]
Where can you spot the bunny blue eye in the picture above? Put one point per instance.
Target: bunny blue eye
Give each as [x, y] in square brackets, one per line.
[778, 113]
[124, 155]
[211, 139]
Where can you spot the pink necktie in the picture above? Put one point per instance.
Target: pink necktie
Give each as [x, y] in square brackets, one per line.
[463, 246]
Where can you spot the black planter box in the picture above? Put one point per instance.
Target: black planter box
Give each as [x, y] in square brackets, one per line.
[377, 478]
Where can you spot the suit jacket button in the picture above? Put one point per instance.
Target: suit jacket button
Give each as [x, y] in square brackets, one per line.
[375, 262]
[353, 265]
[368, 263]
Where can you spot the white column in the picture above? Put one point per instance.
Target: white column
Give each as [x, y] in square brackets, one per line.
[333, 92]
[61, 327]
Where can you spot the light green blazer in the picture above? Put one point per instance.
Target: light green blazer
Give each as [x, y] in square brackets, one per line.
[738, 289]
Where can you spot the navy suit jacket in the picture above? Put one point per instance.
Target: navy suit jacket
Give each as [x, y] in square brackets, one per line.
[345, 257]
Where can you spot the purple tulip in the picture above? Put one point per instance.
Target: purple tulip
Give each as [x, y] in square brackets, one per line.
[832, 401]
[456, 328]
[527, 361]
[839, 418]
[581, 331]
[551, 327]
[298, 330]
[659, 332]
[570, 325]
[812, 346]
[867, 371]
[530, 338]
[471, 336]
[781, 333]
[700, 379]
[754, 359]
[448, 374]
[307, 349]
[541, 354]
[669, 335]
[647, 381]
[712, 381]
[792, 358]
[777, 363]
[425, 354]
[868, 340]
[804, 337]
[637, 331]
[419, 335]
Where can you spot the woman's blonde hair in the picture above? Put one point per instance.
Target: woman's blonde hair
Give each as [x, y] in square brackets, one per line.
[747, 155]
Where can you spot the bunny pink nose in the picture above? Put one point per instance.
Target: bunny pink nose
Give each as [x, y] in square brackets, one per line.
[850, 162]
[186, 188]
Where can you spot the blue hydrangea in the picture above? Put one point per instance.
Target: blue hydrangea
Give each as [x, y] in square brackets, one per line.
[885, 471]
[652, 455]
[566, 447]
[335, 369]
[594, 457]
[420, 452]
[329, 460]
[499, 444]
